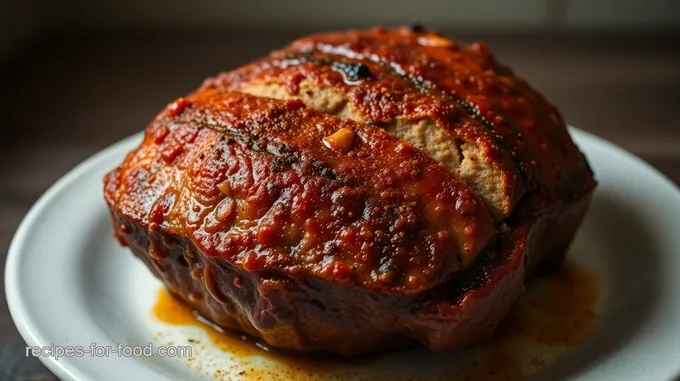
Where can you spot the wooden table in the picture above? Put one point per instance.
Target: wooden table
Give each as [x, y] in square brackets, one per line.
[70, 96]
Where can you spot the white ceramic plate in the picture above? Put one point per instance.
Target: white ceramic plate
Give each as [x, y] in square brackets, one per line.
[69, 283]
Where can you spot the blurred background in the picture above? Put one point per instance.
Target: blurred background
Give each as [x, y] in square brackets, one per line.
[76, 76]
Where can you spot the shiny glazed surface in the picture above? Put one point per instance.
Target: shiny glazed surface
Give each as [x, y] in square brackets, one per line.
[414, 74]
[249, 180]
[313, 232]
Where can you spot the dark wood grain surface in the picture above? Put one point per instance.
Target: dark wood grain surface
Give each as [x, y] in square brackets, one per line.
[70, 96]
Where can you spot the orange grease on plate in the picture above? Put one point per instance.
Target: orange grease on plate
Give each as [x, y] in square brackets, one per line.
[171, 310]
[555, 313]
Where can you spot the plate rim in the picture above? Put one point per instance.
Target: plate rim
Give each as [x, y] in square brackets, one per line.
[18, 310]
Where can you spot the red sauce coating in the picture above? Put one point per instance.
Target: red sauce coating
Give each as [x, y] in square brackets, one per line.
[524, 120]
[380, 98]
[323, 235]
[294, 205]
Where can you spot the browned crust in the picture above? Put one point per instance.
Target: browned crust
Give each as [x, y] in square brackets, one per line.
[255, 271]
[383, 98]
[381, 215]
[310, 314]
[526, 122]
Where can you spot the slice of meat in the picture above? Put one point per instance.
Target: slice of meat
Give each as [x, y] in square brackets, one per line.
[527, 124]
[270, 185]
[366, 91]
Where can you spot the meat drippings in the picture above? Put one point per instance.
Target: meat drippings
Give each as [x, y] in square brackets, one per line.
[555, 314]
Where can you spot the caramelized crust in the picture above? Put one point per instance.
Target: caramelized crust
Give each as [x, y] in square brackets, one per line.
[529, 127]
[363, 90]
[354, 192]
[266, 185]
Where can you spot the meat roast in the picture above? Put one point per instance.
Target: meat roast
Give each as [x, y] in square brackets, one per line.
[354, 192]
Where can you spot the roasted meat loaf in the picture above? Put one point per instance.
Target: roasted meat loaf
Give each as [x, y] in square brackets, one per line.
[354, 192]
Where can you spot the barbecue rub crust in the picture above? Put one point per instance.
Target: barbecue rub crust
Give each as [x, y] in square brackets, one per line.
[354, 192]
